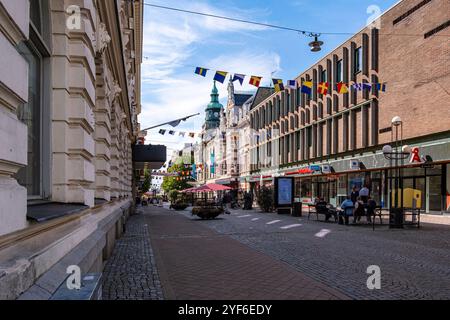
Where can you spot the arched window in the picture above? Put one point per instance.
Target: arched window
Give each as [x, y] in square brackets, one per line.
[35, 113]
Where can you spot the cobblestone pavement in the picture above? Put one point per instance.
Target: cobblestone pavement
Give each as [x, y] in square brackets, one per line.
[197, 263]
[415, 264]
[131, 272]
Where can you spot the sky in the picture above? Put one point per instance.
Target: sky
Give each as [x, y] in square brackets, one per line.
[175, 43]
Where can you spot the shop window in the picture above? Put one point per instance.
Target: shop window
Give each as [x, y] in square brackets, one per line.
[35, 113]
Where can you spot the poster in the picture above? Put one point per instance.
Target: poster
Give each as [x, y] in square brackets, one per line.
[284, 191]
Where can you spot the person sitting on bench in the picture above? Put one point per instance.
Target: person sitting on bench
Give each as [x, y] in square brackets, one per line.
[347, 208]
[360, 211]
[321, 208]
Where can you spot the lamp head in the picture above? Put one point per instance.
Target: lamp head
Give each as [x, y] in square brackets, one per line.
[387, 149]
[396, 121]
[316, 45]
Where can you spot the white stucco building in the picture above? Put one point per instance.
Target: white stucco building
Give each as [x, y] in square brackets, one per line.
[69, 101]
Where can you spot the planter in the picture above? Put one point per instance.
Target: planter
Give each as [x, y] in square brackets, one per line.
[179, 206]
[207, 212]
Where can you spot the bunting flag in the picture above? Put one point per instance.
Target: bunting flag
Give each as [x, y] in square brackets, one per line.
[220, 76]
[239, 77]
[292, 84]
[201, 71]
[174, 123]
[381, 87]
[307, 87]
[162, 131]
[357, 86]
[171, 132]
[342, 87]
[323, 88]
[191, 134]
[367, 86]
[182, 134]
[255, 81]
[278, 84]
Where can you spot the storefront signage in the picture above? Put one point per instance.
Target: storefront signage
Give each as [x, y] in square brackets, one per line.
[354, 164]
[326, 168]
[315, 168]
[417, 158]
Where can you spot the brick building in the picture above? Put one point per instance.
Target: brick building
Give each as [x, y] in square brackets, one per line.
[332, 142]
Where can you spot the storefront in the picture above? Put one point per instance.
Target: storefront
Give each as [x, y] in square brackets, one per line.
[431, 182]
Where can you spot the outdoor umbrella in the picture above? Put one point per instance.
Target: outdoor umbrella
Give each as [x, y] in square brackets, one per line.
[211, 187]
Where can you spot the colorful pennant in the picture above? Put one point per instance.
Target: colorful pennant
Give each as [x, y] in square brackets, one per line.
[342, 87]
[220, 76]
[323, 88]
[292, 84]
[307, 87]
[255, 81]
[239, 77]
[278, 84]
[201, 71]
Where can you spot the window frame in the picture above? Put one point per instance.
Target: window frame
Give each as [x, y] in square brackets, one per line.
[39, 46]
[358, 63]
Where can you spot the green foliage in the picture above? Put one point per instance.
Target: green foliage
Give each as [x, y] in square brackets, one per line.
[171, 183]
[265, 199]
[173, 195]
[147, 181]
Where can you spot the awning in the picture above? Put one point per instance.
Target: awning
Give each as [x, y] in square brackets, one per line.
[149, 156]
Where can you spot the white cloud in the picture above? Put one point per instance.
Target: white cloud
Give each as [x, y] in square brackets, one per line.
[170, 88]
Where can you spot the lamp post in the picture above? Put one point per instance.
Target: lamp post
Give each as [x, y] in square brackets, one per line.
[397, 155]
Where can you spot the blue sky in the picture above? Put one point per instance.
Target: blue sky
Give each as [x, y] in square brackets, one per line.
[175, 42]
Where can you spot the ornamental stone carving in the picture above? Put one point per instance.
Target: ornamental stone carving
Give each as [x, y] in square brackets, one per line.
[102, 38]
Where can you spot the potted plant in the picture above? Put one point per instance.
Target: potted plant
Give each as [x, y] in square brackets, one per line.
[265, 199]
[207, 212]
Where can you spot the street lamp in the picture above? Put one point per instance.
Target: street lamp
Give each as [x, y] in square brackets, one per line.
[396, 154]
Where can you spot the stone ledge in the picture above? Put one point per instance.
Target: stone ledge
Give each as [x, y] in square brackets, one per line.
[34, 254]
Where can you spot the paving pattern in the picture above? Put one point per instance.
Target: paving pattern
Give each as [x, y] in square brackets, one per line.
[415, 264]
[197, 263]
[253, 255]
[131, 272]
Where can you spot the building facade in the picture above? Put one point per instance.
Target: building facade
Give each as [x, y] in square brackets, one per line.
[332, 142]
[69, 101]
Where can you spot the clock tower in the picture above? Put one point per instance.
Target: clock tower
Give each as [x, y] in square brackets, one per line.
[213, 110]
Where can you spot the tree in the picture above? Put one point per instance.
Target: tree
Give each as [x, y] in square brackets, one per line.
[177, 182]
[147, 181]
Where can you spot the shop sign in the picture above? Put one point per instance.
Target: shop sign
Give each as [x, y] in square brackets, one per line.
[354, 164]
[315, 168]
[417, 158]
[305, 171]
[326, 168]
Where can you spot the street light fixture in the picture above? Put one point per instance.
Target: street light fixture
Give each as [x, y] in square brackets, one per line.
[316, 44]
[397, 155]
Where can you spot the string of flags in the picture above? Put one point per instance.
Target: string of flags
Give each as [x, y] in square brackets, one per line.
[180, 133]
[306, 86]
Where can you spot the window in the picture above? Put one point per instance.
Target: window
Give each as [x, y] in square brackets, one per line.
[358, 60]
[34, 113]
[323, 76]
[339, 71]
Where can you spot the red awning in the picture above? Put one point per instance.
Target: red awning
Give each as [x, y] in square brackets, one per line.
[208, 188]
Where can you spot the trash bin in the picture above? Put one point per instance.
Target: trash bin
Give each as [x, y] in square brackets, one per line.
[396, 218]
[297, 209]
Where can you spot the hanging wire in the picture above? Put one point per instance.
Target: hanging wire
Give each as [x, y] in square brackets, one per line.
[304, 32]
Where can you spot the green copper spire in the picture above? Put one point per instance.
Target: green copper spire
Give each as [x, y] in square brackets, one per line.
[213, 110]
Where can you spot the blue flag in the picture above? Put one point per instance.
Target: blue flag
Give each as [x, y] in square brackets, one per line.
[201, 71]
[220, 76]
[239, 77]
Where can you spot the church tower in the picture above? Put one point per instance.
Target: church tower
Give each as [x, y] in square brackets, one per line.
[213, 110]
